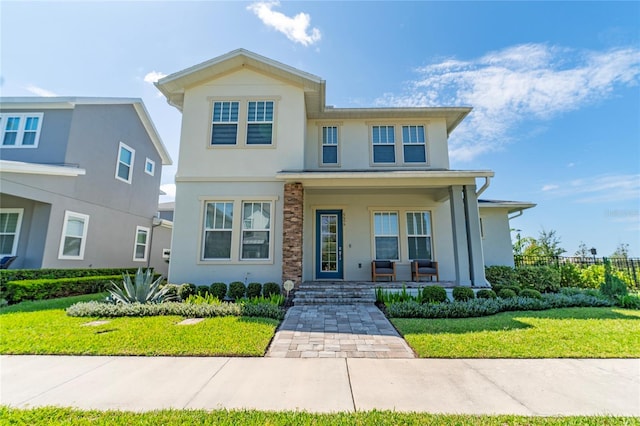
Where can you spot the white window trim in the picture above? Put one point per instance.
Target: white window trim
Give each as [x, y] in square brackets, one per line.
[373, 233]
[133, 158]
[429, 235]
[146, 244]
[67, 215]
[20, 212]
[403, 247]
[243, 122]
[147, 162]
[322, 145]
[236, 231]
[21, 130]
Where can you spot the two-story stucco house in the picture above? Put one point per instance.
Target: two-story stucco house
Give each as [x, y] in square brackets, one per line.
[273, 185]
[79, 184]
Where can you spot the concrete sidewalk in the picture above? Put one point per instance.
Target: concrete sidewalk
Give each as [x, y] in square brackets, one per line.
[472, 386]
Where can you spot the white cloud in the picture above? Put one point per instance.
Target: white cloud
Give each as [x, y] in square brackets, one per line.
[153, 76]
[515, 84]
[39, 91]
[296, 29]
[599, 189]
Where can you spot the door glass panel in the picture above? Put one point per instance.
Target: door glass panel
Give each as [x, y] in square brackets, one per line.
[329, 242]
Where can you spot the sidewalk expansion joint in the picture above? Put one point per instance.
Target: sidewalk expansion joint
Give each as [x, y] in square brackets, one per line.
[353, 399]
[197, 392]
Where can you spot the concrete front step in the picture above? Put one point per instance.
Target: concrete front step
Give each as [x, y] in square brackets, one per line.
[330, 293]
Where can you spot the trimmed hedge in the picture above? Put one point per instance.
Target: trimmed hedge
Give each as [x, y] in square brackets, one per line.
[40, 274]
[218, 290]
[463, 293]
[434, 294]
[527, 292]
[270, 288]
[486, 294]
[17, 291]
[189, 310]
[237, 290]
[254, 290]
[484, 307]
[506, 293]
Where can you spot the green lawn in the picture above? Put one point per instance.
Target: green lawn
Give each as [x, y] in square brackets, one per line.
[555, 333]
[67, 416]
[44, 328]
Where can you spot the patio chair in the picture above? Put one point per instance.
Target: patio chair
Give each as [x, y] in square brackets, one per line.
[383, 268]
[6, 261]
[424, 268]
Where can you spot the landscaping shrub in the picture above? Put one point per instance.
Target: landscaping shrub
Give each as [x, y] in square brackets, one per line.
[483, 307]
[270, 288]
[570, 275]
[188, 310]
[391, 296]
[16, 291]
[7, 275]
[219, 290]
[237, 290]
[463, 293]
[592, 276]
[542, 278]
[142, 289]
[254, 290]
[202, 290]
[516, 289]
[434, 294]
[506, 293]
[612, 285]
[629, 301]
[486, 294]
[185, 290]
[527, 292]
[500, 275]
[198, 299]
[172, 291]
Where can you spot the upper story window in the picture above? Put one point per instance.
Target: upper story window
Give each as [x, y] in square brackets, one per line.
[260, 123]
[414, 144]
[10, 221]
[330, 145]
[20, 130]
[124, 167]
[150, 167]
[225, 123]
[383, 140]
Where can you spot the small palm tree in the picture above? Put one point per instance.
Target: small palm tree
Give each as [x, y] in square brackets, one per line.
[143, 290]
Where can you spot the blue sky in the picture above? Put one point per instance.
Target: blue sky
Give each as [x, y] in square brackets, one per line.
[554, 85]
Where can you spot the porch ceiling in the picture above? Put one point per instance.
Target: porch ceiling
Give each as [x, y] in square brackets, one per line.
[384, 178]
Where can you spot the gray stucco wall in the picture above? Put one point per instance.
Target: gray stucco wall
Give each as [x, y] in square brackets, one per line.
[496, 242]
[52, 145]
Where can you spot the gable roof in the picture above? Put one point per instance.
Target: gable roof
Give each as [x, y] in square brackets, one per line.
[173, 87]
[29, 102]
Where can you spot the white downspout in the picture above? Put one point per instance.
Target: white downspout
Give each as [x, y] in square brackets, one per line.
[516, 215]
[487, 180]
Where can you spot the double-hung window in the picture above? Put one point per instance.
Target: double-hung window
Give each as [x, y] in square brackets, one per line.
[260, 123]
[140, 248]
[419, 235]
[414, 144]
[386, 235]
[256, 230]
[10, 221]
[224, 129]
[329, 145]
[218, 226]
[124, 167]
[384, 141]
[20, 130]
[74, 236]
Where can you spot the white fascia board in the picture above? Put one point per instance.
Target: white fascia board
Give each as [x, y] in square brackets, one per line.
[143, 114]
[39, 169]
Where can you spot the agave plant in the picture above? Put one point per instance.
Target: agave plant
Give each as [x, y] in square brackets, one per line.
[142, 290]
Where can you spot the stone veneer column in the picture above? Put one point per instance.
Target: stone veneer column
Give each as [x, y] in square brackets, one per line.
[292, 233]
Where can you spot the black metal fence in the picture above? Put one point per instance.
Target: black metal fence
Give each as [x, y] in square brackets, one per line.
[629, 266]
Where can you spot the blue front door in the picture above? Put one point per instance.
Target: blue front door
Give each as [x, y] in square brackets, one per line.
[329, 244]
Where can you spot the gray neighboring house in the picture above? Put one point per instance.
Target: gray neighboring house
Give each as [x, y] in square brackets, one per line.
[79, 184]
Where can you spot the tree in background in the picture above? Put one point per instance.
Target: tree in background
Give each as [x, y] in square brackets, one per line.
[582, 252]
[622, 251]
[547, 244]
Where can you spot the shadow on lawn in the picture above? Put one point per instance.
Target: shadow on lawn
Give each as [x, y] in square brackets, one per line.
[506, 321]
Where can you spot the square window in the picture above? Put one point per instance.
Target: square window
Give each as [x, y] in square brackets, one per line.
[150, 167]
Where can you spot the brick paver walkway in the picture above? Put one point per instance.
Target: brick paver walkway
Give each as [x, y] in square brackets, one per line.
[337, 331]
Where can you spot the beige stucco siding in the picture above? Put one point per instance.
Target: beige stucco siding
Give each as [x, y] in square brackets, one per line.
[496, 240]
[355, 148]
[199, 159]
[358, 207]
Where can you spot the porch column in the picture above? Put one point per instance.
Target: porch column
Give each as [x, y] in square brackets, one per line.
[292, 232]
[459, 232]
[474, 237]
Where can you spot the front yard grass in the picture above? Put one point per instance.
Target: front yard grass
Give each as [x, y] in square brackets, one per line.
[554, 333]
[68, 416]
[44, 328]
